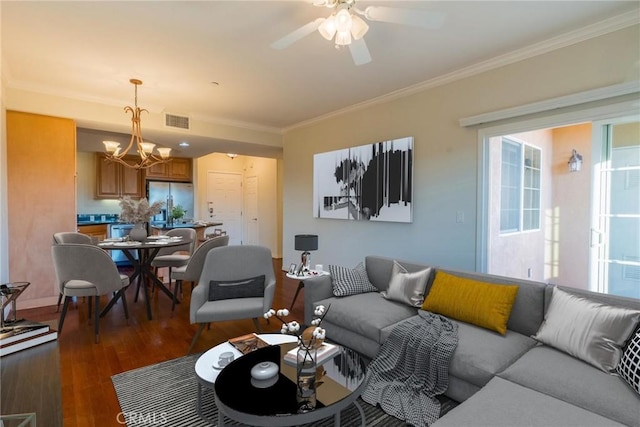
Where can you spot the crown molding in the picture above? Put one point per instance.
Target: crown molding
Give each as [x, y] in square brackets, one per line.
[603, 27]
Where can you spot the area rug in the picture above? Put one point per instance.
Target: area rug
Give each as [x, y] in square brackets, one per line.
[166, 394]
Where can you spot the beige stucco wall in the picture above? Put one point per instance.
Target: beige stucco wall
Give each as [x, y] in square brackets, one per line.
[568, 241]
[520, 254]
[445, 157]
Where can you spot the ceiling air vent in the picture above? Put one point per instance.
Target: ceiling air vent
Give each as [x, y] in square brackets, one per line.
[175, 121]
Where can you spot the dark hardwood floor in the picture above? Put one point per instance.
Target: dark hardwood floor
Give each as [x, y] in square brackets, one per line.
[88, 397]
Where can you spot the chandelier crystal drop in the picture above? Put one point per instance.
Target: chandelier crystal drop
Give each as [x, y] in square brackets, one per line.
[144, 149]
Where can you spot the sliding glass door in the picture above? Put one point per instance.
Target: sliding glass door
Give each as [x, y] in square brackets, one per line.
[615, 231]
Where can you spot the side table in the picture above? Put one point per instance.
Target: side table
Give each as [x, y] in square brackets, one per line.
[301, 279]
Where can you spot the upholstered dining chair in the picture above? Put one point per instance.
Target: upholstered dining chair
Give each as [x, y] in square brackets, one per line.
[237, 282]
[191, 272]
[70, 237]
[87, 271]
[176, 256]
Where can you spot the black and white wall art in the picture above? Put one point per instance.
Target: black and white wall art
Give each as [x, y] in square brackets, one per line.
[371, 182]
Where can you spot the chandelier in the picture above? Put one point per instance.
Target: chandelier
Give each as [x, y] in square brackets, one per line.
[145, 149]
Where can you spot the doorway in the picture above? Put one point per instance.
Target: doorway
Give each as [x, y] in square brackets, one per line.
[224, 201]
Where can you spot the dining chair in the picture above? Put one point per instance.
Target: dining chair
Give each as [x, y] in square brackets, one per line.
[70, 237]
[176, 256]
[237, 282]
[191, 272]
[87, 271]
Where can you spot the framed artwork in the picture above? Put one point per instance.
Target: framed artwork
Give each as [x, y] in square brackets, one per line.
[371, 182]
[292, 269]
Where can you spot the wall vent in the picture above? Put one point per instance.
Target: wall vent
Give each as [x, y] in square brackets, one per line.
[176, 121]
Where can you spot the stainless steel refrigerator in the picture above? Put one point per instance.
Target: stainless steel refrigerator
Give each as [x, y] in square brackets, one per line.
[172, 194]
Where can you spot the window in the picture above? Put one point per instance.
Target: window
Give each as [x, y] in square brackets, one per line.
[519, 187]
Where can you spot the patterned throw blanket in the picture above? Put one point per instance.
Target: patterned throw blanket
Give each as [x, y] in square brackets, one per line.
[412, 368]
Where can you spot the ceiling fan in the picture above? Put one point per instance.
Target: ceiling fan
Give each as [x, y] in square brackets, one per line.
[346, 27]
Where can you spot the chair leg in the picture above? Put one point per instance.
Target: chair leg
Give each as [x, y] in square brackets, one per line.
[97, 316]
[177, 286]
[255, 322]
[89, 316]
[59, 301]
[124, 304]
[63, 314]
[196, 336]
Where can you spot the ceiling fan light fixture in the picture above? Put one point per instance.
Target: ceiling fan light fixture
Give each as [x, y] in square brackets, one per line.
[343, 38]
[328, 28]
[343, 20]
[358, 27]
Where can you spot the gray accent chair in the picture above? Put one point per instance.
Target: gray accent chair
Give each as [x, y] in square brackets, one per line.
[176, 256]
[87, 271]
[70, 237]
[235, 262]
[191, 272]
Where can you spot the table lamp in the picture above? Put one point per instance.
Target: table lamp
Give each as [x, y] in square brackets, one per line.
[306, 243]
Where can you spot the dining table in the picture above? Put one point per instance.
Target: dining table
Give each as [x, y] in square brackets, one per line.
[141, 255]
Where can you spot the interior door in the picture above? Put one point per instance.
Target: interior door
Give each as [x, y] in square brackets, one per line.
[615, 233]
[224, 200]
[251, 208]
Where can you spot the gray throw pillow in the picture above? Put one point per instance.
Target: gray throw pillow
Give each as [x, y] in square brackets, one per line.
[405, 287]
[591, 331]
[243, 288]
[347, 281]
[629, 366]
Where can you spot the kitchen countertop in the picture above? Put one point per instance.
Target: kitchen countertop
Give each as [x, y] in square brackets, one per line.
[164, 226]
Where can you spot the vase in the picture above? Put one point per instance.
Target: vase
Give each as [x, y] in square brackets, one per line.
[138, 232]
[306, 372]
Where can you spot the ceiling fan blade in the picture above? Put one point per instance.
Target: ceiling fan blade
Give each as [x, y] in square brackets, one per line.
[416, 17]
[359, 52]
[296, 35]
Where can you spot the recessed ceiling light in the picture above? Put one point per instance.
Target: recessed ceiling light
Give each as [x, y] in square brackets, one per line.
[184, 144]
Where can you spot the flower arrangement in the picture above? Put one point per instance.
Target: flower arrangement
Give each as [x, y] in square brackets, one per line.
[311, 337]
[139, 211]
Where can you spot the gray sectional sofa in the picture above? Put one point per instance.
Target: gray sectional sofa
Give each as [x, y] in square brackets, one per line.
[510, 380]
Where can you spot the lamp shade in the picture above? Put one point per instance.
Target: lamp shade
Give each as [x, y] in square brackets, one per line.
[306, 242]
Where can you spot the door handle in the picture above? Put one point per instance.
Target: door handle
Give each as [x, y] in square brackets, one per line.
[595, 238]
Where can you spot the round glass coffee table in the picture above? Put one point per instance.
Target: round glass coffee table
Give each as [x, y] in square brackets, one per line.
[339, 384]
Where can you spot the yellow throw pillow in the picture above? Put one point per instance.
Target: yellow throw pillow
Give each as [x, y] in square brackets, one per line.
[479, 303]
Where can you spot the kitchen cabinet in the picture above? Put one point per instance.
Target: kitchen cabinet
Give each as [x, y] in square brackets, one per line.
[114, 181]
[99, 231]
[178, 169]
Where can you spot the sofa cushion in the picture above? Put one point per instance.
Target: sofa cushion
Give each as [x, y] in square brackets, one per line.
[505, 404]
[379, 270]
[347, 281]
[407, 288]
[629, 366]
[589, 330]
[481, 354]
[365, 314]
[562, 376]
[479, 303]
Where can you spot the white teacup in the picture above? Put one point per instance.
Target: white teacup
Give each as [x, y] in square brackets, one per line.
[225, 358]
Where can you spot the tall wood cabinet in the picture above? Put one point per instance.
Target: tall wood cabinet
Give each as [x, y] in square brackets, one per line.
[114, 181]
[41, 199]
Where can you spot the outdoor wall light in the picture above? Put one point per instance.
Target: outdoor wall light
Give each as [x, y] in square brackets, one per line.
[575, 162]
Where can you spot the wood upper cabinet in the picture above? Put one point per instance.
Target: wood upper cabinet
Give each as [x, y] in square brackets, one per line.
[114, 181]
[178, 169]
